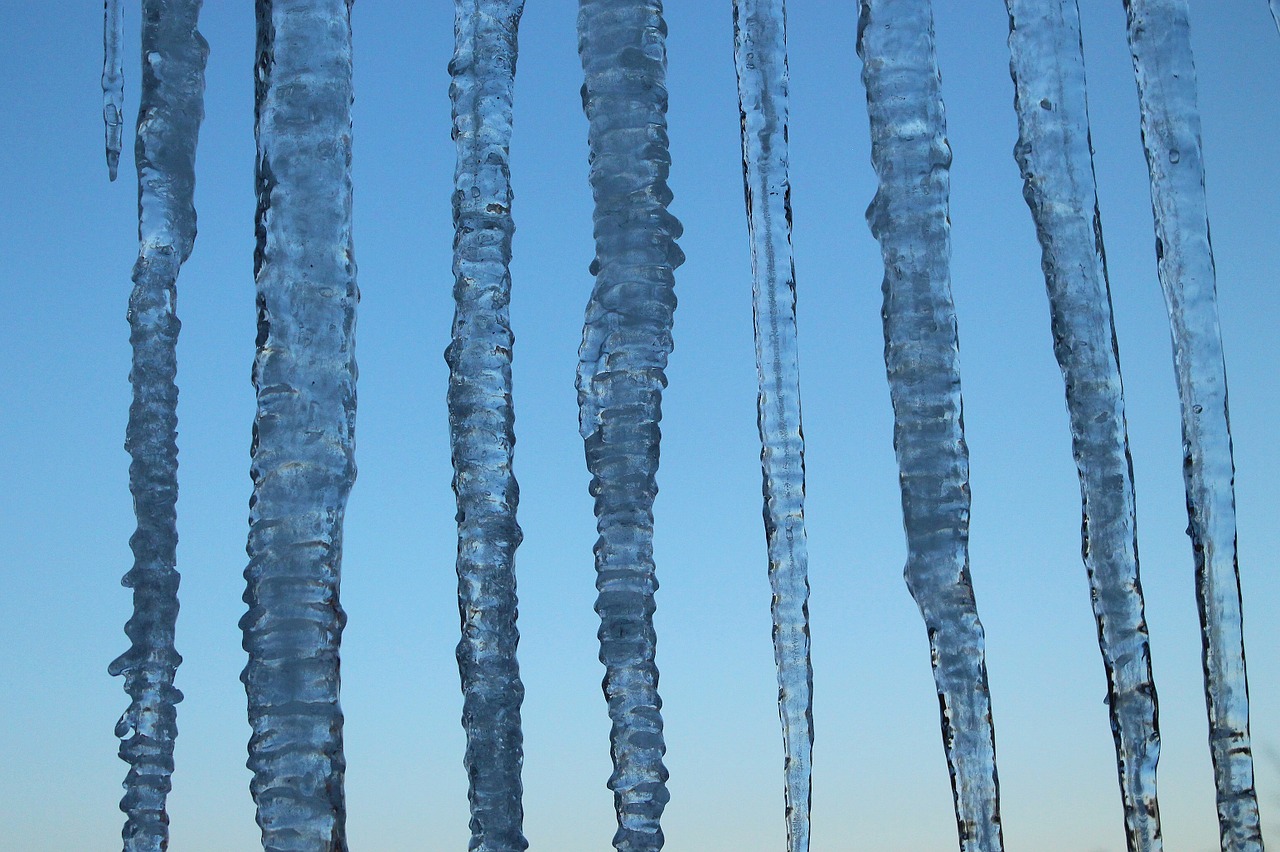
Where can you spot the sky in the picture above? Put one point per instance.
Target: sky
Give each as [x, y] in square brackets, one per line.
[880, 781]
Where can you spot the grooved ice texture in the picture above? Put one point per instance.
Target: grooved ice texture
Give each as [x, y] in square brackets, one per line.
[303, 465]
[1160, 41]
[625, 343]
[760, 53]
[909, 217]
[169, 114]
[481, 418]
[1054, 154]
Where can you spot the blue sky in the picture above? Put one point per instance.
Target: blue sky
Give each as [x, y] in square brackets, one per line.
[69, 240]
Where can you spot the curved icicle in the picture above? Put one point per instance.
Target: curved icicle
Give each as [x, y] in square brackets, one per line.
[303, 461]
[625, 343]
[1056, 160]
[113, 81]
[760, 53]
[482, 418]
[1160, 42]
[909, 217]
[169, 114]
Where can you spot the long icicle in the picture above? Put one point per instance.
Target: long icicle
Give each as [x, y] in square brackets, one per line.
[909, 217]
[303, 456]
[113, 81]
[1056, 160]
[1160, 42]
[482, 419]
[625, 343]
[169, 114]
[760, 54]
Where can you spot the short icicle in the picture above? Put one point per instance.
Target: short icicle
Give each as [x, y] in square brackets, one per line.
[1160, 42]
[625, 344]
[303, 456]
[760, 52]
[1056, 160]
[169, 115]
[909, 217]
[113, 81]
[481, 418]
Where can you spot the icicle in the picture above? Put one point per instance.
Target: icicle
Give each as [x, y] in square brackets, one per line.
[909, 217]
[481, 418]
[1160, 41]
[1054, 154]
[170, 112]
[303, 463]
[625, 343]
[760, 52]
[1275, 12]
[113, 82]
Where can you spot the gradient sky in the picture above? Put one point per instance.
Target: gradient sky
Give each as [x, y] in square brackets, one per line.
[69, 240]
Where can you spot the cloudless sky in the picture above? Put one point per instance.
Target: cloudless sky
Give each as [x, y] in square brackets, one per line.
[68, 239]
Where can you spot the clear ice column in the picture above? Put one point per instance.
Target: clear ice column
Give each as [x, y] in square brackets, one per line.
[760, 52]
[1160, 41]
[482, 418]
[625, 343]
[909, 217]
[1056, 160]
[303, 465]
[169, 116]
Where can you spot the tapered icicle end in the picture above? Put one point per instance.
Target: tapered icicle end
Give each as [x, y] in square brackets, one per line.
[113, 162]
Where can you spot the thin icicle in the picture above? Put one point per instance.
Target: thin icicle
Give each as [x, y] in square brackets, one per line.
[909, 217]
[303, 461]
[1054, 154]
[113, 81]
[1275, 12]
[1160, 41]
[625, 343]
[482, 419]
[760, 53]
[169, 116]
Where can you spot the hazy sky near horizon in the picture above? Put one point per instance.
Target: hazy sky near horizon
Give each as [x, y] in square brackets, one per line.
[880, 780]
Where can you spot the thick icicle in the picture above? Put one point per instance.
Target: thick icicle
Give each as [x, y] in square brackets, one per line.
[169, 115]
[1054, 154]
[113, 81]
[481, 418]
[909, 217]
[760, 53]
[625, 343]
[1160, 41]
[303, 461]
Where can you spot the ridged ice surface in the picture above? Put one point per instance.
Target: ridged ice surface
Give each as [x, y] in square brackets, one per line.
[1160, 41]
[909, 217]
[113, 82]
[303, 465]
[481, 418]
[1054, 154]
[625, 343]
[760, 53]
[170, 112]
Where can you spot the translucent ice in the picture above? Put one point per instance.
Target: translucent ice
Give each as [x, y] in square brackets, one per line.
[303, 459]
[1160, 41]
[911, 155]
[1054, 154]
[170, 111]
[481, 418]
[760, 51]
[625, 343]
